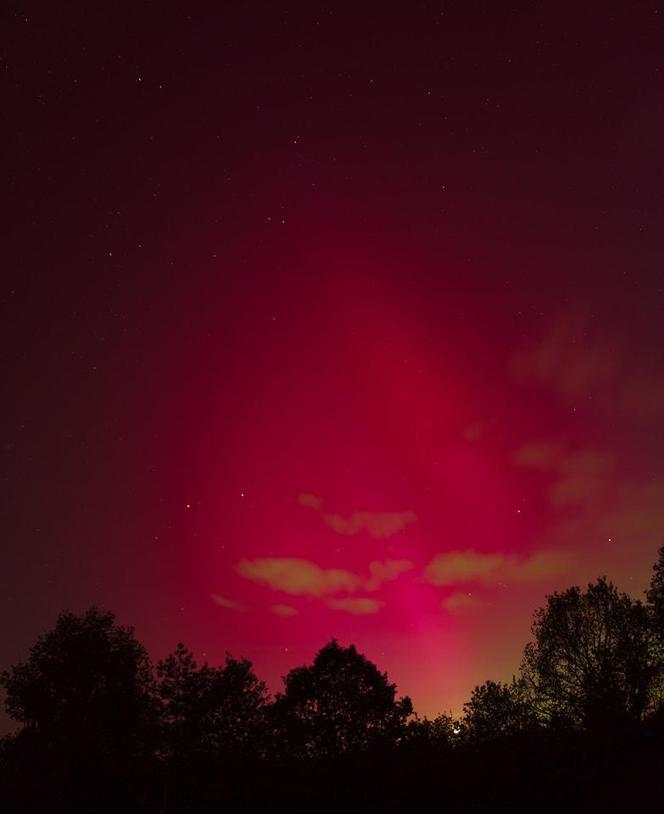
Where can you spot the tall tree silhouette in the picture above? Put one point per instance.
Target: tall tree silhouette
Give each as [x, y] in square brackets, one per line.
[85, 700]
[594, 659]
[217, 710]
[213, 726]
[340, 704]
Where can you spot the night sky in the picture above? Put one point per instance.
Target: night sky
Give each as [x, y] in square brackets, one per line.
[330, 320]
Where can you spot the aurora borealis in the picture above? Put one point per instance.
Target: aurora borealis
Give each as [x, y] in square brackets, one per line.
[331, 323]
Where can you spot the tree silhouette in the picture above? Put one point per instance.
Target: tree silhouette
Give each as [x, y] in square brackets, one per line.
[87, 682]
[99, 732]
[85, 700]
[341, 704]
[180, 687]
[655, 597]
[441, 732]
[217, 710]
[213, 726]
[594, 659]
[655, 593]
[496, 710]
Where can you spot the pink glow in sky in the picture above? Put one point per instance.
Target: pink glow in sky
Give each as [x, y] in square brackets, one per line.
[331, 323]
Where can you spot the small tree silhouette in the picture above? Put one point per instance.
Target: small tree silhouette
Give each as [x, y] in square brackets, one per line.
[496, 710]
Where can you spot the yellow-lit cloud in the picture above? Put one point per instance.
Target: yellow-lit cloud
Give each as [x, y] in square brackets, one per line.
[459, 567]
[300, 577]
[230, 604]
[297, 576]
[309, 500]
[360, 606]
[460, 603]
[386, 571]
[379, 525]
[285, 611]
[542, 565]
[456, 567]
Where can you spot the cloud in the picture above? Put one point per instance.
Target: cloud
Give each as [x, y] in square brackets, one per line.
[379, 525]
[360, 606]
[542, 565]
[582, 476]
[643, 395]
[459, 567]
[462, 566]
[385, 572]
[285, 611]
[580, 359]
[231, 604]
[571, 357]
[579, 476]
[300, 577]
[309, 501]
[539, 456]
[616, 532]
[461, 603]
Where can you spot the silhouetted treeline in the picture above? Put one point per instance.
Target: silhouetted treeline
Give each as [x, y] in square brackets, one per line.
[580, 728]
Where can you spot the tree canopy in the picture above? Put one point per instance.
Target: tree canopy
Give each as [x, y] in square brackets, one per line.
[497, 710]
[87, 683]
[594, 659]
[219, 711]
[341, 703]
[655, 593]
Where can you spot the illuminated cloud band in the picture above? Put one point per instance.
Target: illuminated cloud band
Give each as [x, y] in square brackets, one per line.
[461, 567]
[300, 577]
[379, 525]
